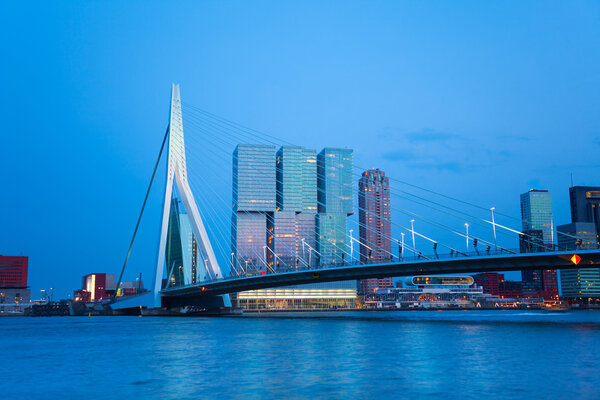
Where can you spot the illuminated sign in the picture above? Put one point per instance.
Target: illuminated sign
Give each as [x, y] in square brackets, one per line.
[575, 259]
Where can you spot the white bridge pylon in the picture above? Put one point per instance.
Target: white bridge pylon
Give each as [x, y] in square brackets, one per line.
[177, 175]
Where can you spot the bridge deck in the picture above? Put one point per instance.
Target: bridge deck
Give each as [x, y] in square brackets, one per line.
[507, 262]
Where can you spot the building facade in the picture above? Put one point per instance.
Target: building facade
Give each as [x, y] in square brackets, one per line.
[14, 293]
[254, 197]
[428, 292]
[536, 214]
[489, 281]
[316, 296]
[581, 285]
[375, 230]
[95, 287]
[336, 202]
[585, 206]
[538, 235]
[293, 224]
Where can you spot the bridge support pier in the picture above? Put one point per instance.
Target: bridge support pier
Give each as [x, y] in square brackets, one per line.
[196, 305]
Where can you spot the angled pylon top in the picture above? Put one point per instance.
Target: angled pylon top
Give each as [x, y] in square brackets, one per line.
[176, 143]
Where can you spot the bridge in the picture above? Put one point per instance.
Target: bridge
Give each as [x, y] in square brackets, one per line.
[188, 268]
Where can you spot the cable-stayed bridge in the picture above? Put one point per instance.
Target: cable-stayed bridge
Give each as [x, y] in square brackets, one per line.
[283, 230]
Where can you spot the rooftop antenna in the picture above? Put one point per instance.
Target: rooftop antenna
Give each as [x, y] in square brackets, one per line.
[571, 179]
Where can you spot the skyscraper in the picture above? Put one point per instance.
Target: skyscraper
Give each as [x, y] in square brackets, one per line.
[536, 214]
[254, 196]
[538, 235]
[293, 222]
[585, 206]
[374, 225]
[336, 203]
[582, 233]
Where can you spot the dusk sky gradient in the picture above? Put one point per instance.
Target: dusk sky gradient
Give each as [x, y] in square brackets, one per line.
[477, 100]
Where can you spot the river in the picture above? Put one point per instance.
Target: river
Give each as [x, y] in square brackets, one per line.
[354, 355]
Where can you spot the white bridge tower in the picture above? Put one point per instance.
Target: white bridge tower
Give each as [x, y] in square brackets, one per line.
[177, 175]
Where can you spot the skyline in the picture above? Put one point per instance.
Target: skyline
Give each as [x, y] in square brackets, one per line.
[87, 108]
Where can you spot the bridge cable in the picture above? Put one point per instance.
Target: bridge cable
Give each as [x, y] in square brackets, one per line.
[424, 219]
[137, 225]
[522, 235]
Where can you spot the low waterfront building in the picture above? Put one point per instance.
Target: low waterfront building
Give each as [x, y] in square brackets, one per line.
[314, 296]
[429, 292]
[95, 287]
[101, 286]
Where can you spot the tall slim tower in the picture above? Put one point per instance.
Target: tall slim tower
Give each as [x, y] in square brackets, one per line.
[538, 229]
[254, 200]
[336, 203]
[374, 225]
[293, 223]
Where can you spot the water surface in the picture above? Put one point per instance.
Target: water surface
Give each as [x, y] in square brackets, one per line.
[362, 355]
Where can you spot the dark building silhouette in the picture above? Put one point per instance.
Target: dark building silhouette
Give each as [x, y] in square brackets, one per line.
[583, 232]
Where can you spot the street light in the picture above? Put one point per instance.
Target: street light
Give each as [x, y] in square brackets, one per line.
[412, 230]
[467, 227]
[402, 250]
[351, 244]
[493, 224]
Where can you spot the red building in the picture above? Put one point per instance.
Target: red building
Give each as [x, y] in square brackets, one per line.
[549, 285]
[95, 287]
[13, 272]
[375, 226]
[490, 282]
[494, 284]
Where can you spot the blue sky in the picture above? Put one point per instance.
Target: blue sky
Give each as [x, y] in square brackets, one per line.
[477, 100]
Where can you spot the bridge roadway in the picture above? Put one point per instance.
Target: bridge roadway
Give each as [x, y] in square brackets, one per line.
[471, 264]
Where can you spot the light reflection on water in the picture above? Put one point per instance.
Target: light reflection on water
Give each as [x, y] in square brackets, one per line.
[442, 355]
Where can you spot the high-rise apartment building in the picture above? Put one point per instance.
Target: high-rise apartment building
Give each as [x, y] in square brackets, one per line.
[374, 225]
[336, 203]
[582, 233]
[538, 235]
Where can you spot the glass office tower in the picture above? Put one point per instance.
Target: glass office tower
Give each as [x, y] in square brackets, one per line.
[536, 214]
[336, 203]
[254, 198]
[293, 223]
[538, 228]
[334, 181]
